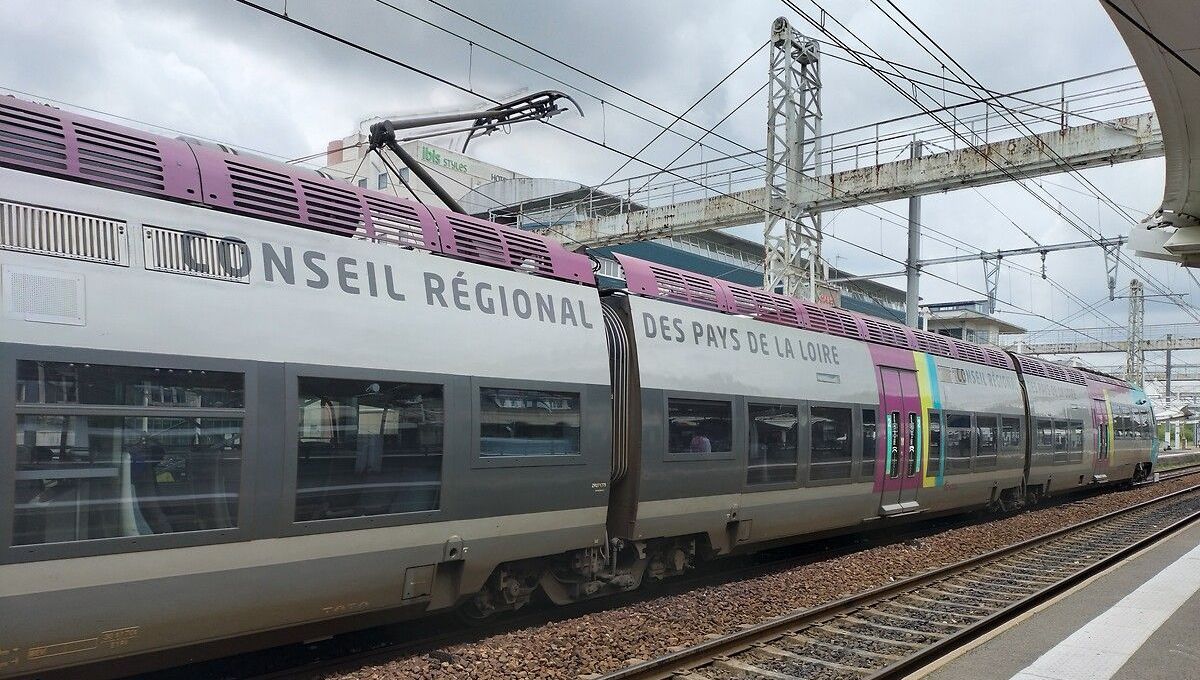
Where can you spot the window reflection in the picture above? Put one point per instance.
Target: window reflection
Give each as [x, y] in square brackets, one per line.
[699, 426]
[774, 434]
[87, 477]
[832, 443]
[528, 422]
[367, 448]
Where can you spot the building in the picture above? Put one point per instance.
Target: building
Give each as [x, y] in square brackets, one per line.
[508, 197]
[967, 320]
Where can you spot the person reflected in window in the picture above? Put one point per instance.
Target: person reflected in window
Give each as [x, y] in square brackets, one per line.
[700, 444]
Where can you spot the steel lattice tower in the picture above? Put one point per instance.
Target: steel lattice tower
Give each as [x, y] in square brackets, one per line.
[1135, 356]
[792, 231]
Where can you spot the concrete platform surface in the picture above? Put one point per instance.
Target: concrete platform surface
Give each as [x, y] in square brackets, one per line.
[1140, 621]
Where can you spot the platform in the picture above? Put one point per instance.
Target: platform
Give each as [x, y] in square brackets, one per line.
[1128, 624]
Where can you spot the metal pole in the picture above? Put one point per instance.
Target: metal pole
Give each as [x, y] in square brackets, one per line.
[912, 266]
[1168, 395]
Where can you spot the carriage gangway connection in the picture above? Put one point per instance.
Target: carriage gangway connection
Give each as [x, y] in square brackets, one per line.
[1117, 596]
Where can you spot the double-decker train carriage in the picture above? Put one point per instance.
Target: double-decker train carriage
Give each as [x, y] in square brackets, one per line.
[238, 398]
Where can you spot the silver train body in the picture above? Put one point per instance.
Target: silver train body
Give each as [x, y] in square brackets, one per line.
[217, 425]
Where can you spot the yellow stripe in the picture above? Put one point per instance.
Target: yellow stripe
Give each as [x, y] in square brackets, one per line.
[925, 389]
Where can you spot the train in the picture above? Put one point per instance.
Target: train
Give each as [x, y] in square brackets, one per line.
[243, 400]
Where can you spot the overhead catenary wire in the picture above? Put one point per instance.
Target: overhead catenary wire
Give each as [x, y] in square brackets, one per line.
[445, 81]
[1150, 278]
[604, 82]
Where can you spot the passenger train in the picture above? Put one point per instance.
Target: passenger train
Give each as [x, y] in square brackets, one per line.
[240, 399]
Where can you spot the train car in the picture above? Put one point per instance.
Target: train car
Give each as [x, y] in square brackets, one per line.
[226, 424]
[240, 399]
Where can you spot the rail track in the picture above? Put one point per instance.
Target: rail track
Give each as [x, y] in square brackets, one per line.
[894, 630]
[1178, 472]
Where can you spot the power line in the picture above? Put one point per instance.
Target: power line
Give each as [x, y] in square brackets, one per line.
[582, 137]
[986, 157]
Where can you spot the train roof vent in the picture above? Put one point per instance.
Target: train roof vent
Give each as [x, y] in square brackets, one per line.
[57, 233]
[969, 352]
[998, 358]
[886, 333]
[1030, 366]
[333, 207]
[119, 159]
[1075, 376]
[1056, 372]
[483, 241]
[660, 281]
[263, 192]
[831, 320]
[31, 138]
[401, 224]
[763, 306]
[932, 343]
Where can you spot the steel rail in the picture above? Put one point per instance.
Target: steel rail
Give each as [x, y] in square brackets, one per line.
[692, 658]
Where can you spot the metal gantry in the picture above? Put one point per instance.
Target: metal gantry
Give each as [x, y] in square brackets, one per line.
[1135, 356]
[792, 229]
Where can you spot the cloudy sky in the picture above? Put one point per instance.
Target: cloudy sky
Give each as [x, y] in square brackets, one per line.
[219, 69]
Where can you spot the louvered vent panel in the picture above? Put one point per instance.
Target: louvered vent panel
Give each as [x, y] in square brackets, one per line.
[178, 252]
[830, 320]
[58, 233]
[885, 333]
[932, 343]
[968, 352]
[1075, 377]
[120, 159]
[764, 306]
[264, 192]
[333, 208]
[31, 139]
[396, 223]
[678, 285]
[997, 358]
[1031, 366]
[528, 252]
[478, 241]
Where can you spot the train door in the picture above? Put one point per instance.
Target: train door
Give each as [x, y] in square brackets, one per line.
[901, 405]
[1100, 419]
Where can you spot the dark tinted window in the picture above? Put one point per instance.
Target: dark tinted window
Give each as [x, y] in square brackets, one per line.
[1045, 433]
[1010, 433]
[774, 434]
[699, 426]
[870, 443]
[367, 448]
[528, 422]
[128, 467]
[1075, 441]
[933, 450]
[987, 441]
[958, 443]
[49, 382]
[832, 443]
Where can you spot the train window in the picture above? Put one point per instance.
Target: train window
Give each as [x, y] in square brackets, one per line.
[774, 435]
[870, 443]
[1075, 441]
[515, 422]
[933, 450]
[832, 443]
[367, 448]
[157, 451]
[699, 426]
[987, 442]
[65, 383]
[958, 443]
[1045, 432]
[1010, 434]
[1061, 441]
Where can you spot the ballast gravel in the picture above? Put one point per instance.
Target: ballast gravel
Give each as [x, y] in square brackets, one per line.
[605, 641]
